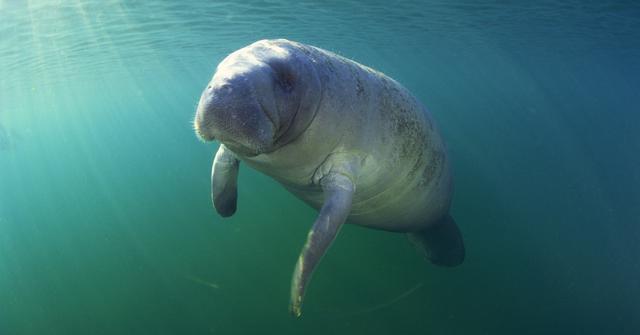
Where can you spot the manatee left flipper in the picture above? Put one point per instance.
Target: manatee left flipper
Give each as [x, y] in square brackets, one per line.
[224, 182]
[338, 192]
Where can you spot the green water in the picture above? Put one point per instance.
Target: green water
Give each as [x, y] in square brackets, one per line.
[106, 225]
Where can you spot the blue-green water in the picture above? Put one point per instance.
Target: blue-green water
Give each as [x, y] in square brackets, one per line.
[106, 225]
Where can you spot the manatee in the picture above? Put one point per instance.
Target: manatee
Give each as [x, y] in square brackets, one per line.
[342, 137]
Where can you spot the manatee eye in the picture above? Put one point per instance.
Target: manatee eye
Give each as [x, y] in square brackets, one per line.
[286, 80]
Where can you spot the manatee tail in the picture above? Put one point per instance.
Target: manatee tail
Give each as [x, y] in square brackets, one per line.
[441, 242]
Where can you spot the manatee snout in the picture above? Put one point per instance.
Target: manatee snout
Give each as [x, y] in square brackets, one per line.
[236, 112]
[203, 123]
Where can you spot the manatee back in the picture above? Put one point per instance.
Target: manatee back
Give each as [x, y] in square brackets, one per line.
[405, 179]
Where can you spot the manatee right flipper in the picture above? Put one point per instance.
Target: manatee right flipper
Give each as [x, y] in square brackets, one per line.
[338, 193]
[224, 181]
[441, 242]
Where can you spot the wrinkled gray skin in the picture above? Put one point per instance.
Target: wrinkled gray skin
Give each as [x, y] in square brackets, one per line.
[342, 137]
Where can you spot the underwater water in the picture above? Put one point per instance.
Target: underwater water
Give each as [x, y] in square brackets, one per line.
[106, 225]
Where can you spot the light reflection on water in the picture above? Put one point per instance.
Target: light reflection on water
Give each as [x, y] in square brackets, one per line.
[92, 38]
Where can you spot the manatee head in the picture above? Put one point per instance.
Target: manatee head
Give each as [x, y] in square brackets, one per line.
[260, 98]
